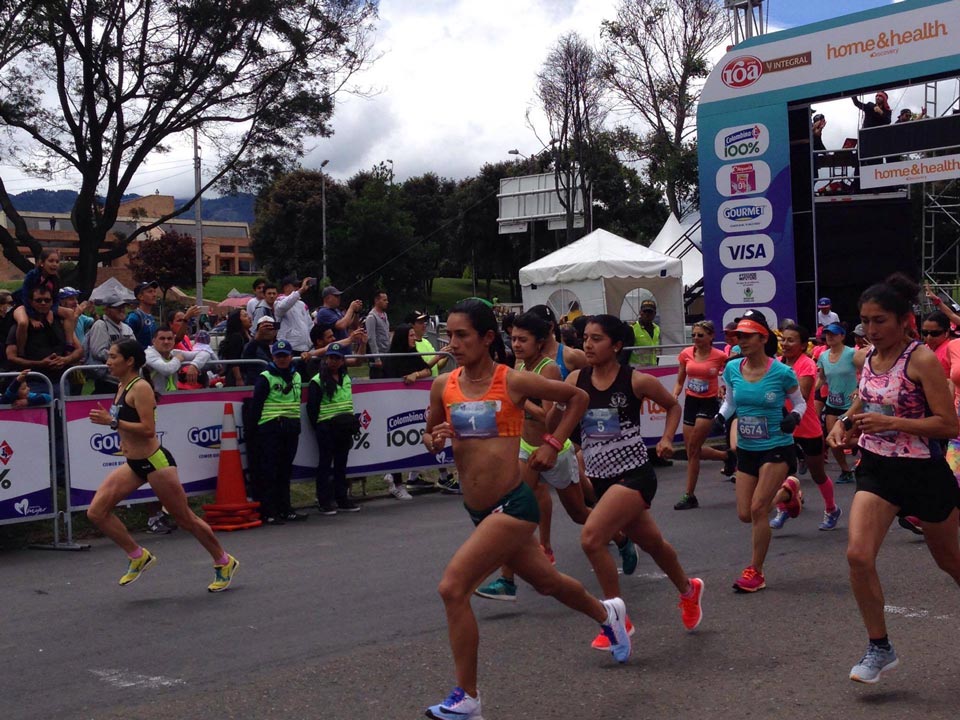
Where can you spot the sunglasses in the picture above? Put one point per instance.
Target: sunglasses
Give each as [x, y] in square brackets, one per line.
[933, 333]
[43, 301]
[699, 335]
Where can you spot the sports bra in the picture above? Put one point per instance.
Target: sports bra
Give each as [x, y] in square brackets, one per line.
[489, 416]
[564, 370]
[120, 410]
[521, 366]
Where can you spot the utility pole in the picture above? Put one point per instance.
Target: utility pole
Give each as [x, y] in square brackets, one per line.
[323, 215]
[198, 214]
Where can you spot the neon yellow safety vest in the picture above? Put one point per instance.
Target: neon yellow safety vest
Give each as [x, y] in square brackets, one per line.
[642, 338]
[341, 403]
[281, 402]
[423, 346]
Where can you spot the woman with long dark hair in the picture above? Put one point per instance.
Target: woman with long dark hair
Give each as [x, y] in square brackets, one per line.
[133, 416]
[903, 406]
[412, 367]
[479, 408]
[236, 338]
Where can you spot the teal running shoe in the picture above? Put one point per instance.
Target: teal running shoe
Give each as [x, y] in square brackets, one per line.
[499, 589]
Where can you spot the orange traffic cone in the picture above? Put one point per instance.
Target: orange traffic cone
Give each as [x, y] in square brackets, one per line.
[231, 511]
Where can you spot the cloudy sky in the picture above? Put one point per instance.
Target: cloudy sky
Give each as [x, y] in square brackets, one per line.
[453, 87]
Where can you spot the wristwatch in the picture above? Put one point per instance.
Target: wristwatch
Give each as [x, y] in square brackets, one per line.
[846, 422]
[114, 424]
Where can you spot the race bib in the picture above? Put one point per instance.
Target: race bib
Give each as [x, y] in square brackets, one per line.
[697, 385]
[881, 409]
[601, 423]
[837, 400]
[114, 412]
[475, 418]
[753, 428]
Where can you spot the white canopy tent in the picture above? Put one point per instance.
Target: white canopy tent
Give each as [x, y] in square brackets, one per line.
[110, 287]
[605, 273]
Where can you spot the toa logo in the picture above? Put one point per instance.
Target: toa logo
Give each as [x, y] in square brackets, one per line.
[741, 72]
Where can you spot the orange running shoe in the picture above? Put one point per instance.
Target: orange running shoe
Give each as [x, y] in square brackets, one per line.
[794, 505]
[750, 580]
[602, 642]
[690, 611]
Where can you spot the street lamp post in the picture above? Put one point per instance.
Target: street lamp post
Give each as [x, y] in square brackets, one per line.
[323, 215]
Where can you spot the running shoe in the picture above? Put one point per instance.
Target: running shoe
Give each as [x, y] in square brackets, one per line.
[628, 556]
[399, 491]
[224, 575]
[329, 508]
[615, 629]
[420, 481]
[911, 523]
[780, 519]
[602, 642]
[137, 567]
[730, 464]
[347, 506]
[795, 504]
[687, 502]
[802, 466]
[750, 580]
[294, 516]
[690, 611]
[846, 478]
[160, 524]
[457, 706]
[273, 520]
[450, 486]
[499, 589]
[830, 519]
[873, 664]
[549, 553]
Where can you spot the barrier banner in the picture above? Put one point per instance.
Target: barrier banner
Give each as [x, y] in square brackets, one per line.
[392, 421]
[653, 418]
[25, 487]
[188, 424]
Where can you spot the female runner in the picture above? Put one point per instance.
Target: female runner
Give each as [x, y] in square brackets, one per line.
[617, 462]
[529, 335]
[134, 416]
[479, 407]
[700, 368]
[757, 387]
[839, 374]
[808, 436]
[903, 405]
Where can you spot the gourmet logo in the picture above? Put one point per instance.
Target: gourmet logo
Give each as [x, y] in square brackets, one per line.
[735, 216]
[742, 141]
[750, 212]
[109, 443]
[888, 42]
[741, 72]
[208, 437]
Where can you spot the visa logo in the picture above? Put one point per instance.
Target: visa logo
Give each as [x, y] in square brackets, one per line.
[747, 252]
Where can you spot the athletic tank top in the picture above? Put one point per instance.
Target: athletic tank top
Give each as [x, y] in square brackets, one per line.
[894, 393]
[564, 371]
[120, 410]
[610, 428]
[489, 416]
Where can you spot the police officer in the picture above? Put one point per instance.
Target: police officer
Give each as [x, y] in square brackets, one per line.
[276, 412]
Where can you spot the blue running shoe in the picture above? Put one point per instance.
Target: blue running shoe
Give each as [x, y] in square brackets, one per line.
[628, 556]
[873, 664]
[499, 589]
[457, 706]
[615, 628]
[780, 519]
[846, 478]
[830, 519]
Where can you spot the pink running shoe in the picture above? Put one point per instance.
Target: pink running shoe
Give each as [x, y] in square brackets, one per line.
[690, 611]
[795, 504]
[750, 580]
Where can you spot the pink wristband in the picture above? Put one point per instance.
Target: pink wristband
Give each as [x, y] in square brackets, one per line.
[552, 442]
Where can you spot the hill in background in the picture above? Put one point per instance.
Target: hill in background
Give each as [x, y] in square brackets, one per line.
[234, 208]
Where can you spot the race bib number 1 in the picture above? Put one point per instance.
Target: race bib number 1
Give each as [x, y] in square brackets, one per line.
[475, 418]
[601, 423]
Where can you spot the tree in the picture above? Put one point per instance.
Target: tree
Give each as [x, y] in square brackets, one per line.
[655, 55]
[570, 88]
[428, 200]
[255, 78]
[170, 259]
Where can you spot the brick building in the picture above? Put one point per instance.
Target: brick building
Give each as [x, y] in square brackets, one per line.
[226, 245]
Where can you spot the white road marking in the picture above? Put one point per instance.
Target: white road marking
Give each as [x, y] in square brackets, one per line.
[128, 679]
[912, 612]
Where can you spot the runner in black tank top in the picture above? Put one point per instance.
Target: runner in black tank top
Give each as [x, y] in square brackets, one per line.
[617, 462]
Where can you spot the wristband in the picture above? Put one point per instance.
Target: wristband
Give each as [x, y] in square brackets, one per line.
[552, 442]
[560, 406]
[846, 422]
[114, 424]
[936, 301]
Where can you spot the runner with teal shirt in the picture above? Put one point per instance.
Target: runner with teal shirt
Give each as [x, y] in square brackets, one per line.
[838, 372]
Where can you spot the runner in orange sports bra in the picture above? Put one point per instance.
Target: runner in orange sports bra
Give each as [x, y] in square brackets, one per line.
[478, 408]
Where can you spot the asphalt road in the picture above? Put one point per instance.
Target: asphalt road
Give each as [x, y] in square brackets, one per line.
[338, 617]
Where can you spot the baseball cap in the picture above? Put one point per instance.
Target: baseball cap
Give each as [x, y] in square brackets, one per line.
[114, 300]
[835, 329]
[859, 331]
[753, 322]
[417, 316]
[648, 305]
[824, 302]
[143, 286]
[265, 319]
[281, 347]
[68, 292]
[329, 290]
[336, 349]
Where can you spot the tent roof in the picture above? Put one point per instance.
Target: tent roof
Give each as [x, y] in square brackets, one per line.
[688, 251]
[600, 254]
[111, 286]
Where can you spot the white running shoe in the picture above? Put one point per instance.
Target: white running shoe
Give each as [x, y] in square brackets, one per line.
[457, 706]
[615, 628]
[399, 492]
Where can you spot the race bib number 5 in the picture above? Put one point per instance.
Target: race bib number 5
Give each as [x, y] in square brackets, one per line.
[601, 423]
[475, 418]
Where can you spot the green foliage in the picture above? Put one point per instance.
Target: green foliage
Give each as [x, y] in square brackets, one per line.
[169, 259]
